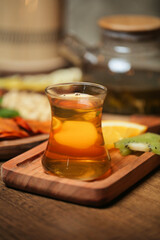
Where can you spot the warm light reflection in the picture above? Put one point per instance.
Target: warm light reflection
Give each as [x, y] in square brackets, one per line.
[119, 65]
[122, 49]
[91, 57]
[31, 4]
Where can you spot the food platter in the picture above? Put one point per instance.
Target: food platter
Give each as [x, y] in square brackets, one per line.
[12, 148]
[18, 135]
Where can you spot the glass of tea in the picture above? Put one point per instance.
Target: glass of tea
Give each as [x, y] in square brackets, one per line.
[76, 146]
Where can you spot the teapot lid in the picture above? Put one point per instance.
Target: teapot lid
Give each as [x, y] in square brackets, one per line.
[130, 23]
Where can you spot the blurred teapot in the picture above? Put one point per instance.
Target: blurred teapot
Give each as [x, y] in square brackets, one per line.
[126, 61]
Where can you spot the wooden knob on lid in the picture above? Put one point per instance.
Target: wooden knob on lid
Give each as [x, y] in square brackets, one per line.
[130, 23]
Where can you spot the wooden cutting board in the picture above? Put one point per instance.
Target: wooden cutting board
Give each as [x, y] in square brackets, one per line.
[25, 172]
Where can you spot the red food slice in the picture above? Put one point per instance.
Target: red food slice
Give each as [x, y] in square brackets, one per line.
[22, 123]
[9, 128]
[39, 127]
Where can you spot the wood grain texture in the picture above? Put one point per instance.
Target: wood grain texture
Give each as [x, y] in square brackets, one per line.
[25, 172]
[133, 215]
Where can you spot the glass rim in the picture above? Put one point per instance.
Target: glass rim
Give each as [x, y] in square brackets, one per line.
[96, 85]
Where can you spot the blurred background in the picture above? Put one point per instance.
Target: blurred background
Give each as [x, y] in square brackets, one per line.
[30, 30]
[82, 15]
[32, 55]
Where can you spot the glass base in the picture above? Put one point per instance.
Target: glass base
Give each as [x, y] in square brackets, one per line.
[85, 170]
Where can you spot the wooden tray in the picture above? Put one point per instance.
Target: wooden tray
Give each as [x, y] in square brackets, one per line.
[25, 172]
[12, 148]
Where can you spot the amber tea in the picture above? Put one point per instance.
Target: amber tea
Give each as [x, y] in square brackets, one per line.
[76, 146]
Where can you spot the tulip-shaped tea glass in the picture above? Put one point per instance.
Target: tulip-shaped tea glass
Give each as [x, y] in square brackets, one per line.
[76, 146]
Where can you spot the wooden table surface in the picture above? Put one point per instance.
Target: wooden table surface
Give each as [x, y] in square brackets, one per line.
[134, 215]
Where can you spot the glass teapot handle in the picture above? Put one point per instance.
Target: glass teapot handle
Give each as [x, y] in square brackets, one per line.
[77, 52]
